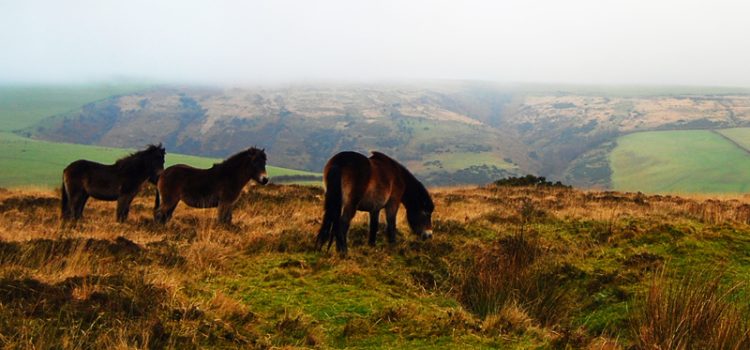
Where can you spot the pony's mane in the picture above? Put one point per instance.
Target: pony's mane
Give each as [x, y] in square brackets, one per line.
[130, 158]
[416, 194]
[237, 157]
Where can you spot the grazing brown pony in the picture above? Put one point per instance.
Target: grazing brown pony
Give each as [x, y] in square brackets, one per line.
[120, 181]
[354, 182]
[219, 186]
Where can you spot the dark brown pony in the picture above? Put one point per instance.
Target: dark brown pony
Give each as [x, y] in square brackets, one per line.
[219, 186]
[120, 181]
[354, 182]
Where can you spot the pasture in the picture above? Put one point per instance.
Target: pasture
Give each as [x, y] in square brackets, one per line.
[513, 268]
[32, 163]
[22, 106]
[739, 135]
[694, 161]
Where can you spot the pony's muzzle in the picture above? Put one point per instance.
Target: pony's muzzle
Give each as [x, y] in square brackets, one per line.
[263, 179]
[427, 234]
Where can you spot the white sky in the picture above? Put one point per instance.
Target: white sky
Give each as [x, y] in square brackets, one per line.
[239, 42]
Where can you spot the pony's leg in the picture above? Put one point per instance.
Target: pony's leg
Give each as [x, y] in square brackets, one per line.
[66, 213]
[225, 213]
[123, 206]
[324, 235]
[163, 213]
[79, 202]
[346, 219]
[374, 217]
[168, 213]
[391, 209]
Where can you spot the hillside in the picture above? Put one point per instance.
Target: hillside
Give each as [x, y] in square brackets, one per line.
[33, 163]
[508, 267]
[24, 105]
[448, 132]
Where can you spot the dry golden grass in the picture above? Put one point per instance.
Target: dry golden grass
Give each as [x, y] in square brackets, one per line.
[693, 312]
[510, 267]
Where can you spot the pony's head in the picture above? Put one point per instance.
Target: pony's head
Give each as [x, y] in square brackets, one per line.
[419, 208]
[420, 220]
[257, 161]
[153, 157]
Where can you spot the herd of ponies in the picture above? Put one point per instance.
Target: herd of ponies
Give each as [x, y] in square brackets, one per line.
[353, 183]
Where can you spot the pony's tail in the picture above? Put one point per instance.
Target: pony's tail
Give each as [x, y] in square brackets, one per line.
[332, 206]
[64, 205]
[157, 200]
[157, 204]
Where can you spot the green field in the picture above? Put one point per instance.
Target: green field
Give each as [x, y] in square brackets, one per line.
[22, 106]
[462, 160]
[696, 161]
[26, 162]
[739, 135]
[31, 163]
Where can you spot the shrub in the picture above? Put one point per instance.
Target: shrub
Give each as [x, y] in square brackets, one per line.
[528, 180]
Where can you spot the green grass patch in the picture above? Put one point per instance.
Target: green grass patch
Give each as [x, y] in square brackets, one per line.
[739, 135]
[23, 106]
[355, 306]
[696, 161]
[462, 160]
[31, 163]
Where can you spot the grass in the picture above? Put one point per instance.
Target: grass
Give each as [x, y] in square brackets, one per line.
[692, 312]
[679, 162]
[509, 267]
[22, 106]
[462, 160]
[739, 135]
[32, 163]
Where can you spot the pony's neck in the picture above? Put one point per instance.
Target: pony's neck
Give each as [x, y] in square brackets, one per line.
[235, 166]
[412, 191]
[135, 166]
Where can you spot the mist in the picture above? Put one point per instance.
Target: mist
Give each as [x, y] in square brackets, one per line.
[252, 42]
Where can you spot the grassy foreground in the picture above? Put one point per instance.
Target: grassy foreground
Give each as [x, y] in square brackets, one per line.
[695, 161]
[508, 268]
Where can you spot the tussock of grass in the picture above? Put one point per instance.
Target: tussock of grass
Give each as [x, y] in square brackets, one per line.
[514, 271]
[695, 311]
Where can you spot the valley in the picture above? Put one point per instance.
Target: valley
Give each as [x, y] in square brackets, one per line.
[449, 132]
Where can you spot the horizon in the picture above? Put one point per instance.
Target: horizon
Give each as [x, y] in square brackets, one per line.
[530, 85]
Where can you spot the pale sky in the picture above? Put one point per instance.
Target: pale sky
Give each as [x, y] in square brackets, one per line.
[248, 42]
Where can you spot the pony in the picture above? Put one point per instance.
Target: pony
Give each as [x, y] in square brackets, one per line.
[356, 183]
[219, 186]
[119, 182]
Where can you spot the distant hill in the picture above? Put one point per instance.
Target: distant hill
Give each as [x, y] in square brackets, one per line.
[34, 163]
[448, 132]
